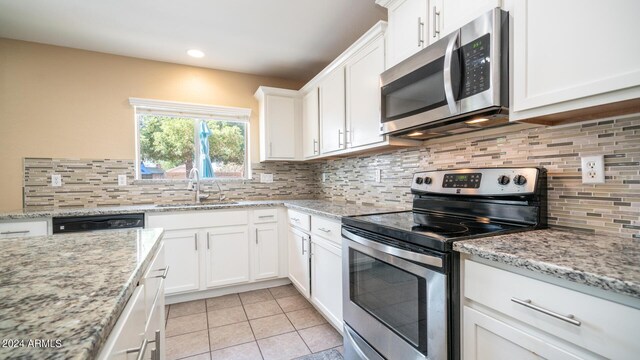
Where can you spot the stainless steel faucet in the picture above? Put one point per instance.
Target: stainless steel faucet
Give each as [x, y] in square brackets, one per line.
[199, 197]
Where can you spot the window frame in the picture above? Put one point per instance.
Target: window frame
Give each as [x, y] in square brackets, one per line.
[198, 112]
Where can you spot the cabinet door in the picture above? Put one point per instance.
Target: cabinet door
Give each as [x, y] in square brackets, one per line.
[266, 251]
[155, 329]
[227, 255]
[23, 228]
[310, 124]
[332, 112]
[326, 279]
[456, 13]
[407, 29]
[280, 124]
[486, 338]
[299, 260]
[561, 55]
[181, 254]
[363, 95]
[128, 332]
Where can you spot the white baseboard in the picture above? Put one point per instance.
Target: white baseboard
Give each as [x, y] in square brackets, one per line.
[204, 294]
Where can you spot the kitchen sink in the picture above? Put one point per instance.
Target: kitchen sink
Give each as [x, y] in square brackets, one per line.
[205, 204]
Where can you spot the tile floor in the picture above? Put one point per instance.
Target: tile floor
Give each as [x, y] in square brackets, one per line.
[270, 324]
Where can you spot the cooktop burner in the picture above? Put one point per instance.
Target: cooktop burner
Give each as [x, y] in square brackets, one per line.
[427, 229]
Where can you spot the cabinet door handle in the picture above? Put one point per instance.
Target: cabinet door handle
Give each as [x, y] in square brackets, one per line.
[141, 350]
[195, 240]
[164, 273]
[295, 219]
[436, 17]
[324, 230]
[265, 216]
[527, 303]
[270, 149]
[208, 240]
[420, 27]
[158, 342]
[256, 236]
[314, 146]
[15, 232]
[302, 242]
[348, 137]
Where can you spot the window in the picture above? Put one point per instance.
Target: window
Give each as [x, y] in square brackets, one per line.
[172, 141]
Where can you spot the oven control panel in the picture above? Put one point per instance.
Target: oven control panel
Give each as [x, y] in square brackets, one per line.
[483, 182]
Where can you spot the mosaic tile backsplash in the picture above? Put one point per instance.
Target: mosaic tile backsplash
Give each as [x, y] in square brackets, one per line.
[610, 208]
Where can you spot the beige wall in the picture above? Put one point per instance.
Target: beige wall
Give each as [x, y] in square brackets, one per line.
[68, 103]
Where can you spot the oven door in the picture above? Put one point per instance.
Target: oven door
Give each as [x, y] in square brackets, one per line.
[394, 299]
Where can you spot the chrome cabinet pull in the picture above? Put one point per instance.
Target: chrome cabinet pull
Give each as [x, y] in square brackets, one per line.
[141, 350]
[302, 242]
[158, 341]
[324, 230]
[265, 216]
[195, 240]
[315, 142]
[164, 273]
[348, 136]
[270, 149]
[295, 219]
[436, 29]
[256, 236]
[208, 241]
[15, 232]
[420, 27]
[527, 303]
[340, 137]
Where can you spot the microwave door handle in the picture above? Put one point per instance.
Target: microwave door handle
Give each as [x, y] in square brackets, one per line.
[446, 72]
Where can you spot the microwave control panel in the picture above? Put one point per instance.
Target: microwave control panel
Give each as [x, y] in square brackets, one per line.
[476, 66]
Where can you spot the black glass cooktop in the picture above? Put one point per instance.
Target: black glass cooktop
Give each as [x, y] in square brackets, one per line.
[430, 230]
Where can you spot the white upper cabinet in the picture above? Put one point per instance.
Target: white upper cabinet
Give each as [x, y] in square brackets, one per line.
[574, 54]
[408, 28]
[332, 112]
[280, 111]
[453, 14]
[363, 95]
[310, 124]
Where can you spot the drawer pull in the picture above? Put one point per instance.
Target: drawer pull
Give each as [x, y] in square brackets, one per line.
[295, 219]
[324, 230]
[527, 303]
[164, 273]
[265, 216]
[14, 232]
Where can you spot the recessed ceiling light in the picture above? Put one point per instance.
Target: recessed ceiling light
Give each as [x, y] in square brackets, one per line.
[475, 121]
[195, 53]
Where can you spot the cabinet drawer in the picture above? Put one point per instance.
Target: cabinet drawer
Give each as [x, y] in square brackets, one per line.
[265, 216]
[197, 219]
[299, 219]
[606, 328]
[23, 228]
[152, 279]
[328, 229]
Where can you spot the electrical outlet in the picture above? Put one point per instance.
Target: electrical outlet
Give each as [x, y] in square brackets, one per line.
[593, 169]
[122, 180]
[324, 177]
[266, 178]
[56, 180]
[378, 175]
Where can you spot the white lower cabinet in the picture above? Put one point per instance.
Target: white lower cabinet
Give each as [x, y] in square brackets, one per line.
[183, 259]
[511, 316]
[140, 326]
[23, 228]
[326, 278]
[299, 260]
[266, 251]
[227, 255]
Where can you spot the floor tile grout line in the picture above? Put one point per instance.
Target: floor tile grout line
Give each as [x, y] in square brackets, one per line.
[206, 314]
[251, 327]
[304, 342]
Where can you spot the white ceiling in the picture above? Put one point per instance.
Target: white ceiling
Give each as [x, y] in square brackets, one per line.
[291, 39]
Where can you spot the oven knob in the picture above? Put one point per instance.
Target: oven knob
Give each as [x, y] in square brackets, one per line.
[419, 180]
[427, 180]
[520, 180]
[503, 180]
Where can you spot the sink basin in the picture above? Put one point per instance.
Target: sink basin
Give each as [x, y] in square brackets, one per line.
[205, 204]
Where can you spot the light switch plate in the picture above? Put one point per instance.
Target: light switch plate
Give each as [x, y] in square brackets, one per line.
[56, 180]
[266, 178]
[593, 169]
[378, 175]
[122, 180]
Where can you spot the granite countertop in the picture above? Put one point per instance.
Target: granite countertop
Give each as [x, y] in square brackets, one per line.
[326, 208]
[69, 287]
[603, 261]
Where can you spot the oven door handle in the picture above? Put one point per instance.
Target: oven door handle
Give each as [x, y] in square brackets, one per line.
[393, 251]
[359, 346]
[446, 74]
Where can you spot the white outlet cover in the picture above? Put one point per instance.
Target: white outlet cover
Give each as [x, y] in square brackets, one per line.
[324, 177]
[592, 169]
[378, 175]
[122, 180]
[266, 178]
[56, 180]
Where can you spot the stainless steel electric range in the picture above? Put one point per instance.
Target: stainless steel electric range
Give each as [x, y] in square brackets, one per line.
[400, 275]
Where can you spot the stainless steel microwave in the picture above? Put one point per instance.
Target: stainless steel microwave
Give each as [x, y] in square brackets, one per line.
[458, 84]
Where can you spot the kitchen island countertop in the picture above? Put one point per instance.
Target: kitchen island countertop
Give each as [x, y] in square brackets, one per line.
[68, 290]
[607, 262]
